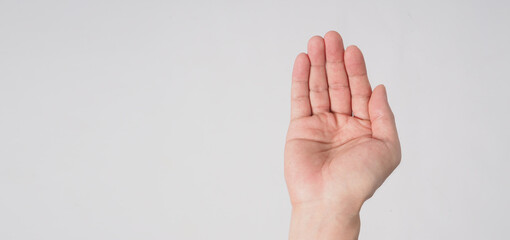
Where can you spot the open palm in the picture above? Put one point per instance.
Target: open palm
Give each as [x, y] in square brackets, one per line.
[342, 142]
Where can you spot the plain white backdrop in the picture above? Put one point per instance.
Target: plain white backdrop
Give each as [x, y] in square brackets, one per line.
[167, 119]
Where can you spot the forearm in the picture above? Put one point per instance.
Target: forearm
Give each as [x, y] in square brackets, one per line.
[324, 223]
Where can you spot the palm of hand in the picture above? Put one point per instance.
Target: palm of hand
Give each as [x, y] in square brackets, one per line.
[330, 155]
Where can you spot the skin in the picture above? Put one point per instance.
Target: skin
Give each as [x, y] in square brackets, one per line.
[342, 142]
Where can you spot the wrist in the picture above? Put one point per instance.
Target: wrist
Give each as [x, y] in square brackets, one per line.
[320, 221]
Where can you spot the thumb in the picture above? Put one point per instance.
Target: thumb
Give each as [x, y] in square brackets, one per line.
[381, 116]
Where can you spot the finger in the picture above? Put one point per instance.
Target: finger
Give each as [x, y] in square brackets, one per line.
[381, 116]
[319, 97]
[338, 83]
[358, 82]
[300, 100]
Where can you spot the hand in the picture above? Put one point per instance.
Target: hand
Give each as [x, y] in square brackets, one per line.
[342, 141]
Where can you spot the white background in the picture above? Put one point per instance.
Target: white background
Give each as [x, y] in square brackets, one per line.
[167, 119]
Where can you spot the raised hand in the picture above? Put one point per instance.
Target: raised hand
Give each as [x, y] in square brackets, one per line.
[342, 142]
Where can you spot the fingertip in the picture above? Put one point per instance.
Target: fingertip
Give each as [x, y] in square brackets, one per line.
[302, 59]
[334, 47]
[380, 87]
[332, 32]
[355, 62]
[384, 92]
[315, 43]
[353, 54]
[378, 104]
[352, 47]
[315, 39]
[334, 41]
[332, 35]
